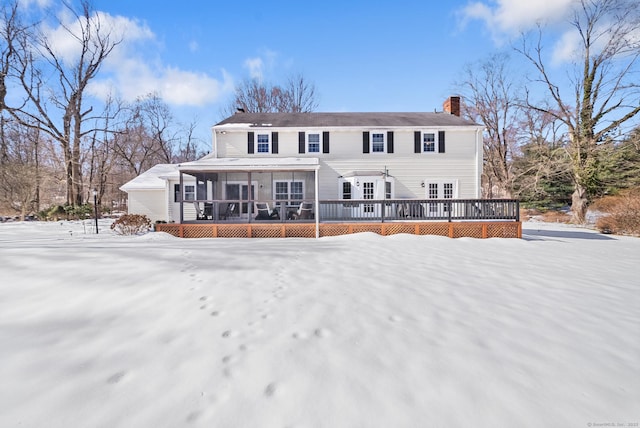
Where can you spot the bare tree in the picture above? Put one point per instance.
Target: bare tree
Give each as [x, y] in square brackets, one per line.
[38, 56]
[492, 98]
[25, 171]
[605, 86]
[298, 95]
[10, 31]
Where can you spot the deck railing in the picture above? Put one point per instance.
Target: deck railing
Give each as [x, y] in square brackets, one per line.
[363, 210]
[422, 209]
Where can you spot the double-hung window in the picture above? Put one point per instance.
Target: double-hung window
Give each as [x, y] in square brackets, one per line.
[189, 192]
[377, 142]
[428, 142]
[291, 191]
[263, 143]
[313, 142]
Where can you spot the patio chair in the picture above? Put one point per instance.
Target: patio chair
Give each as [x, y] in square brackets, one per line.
[229, 212]
[265, 213]
[208, 211]
[199, 213]
[303, 212]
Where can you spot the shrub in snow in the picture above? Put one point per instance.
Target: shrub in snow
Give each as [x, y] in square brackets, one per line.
[623, 213]
[131, 224]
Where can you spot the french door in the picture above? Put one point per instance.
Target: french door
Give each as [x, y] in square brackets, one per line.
[441, 189]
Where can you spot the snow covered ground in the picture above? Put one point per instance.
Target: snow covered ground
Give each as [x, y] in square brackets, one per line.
[351, 331]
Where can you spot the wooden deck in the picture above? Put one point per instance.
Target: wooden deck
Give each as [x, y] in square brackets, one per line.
[470, 229]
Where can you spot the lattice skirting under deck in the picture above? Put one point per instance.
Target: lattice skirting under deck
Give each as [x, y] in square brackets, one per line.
[308, 230]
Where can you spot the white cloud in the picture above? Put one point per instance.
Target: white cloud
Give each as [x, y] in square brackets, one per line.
[64, 38]
[567, 48]
[177, 87]
[255, 67]
[261, 65]
[132, 69]
[512, 16]
[39, 3]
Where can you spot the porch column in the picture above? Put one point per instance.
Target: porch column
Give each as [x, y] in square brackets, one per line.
[250, 197]
[181, 197]
[315, 176]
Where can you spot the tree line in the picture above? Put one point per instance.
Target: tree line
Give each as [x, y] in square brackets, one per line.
[57, 144]
[550, 138]
[569, 136]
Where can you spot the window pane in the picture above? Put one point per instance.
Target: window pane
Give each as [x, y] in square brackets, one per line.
[433, 190]
[263, 143]
[377, 143]
[282, 190]
[367, 190]
[296, 190]
[314, 143]
[448, 190]
[346, 190]
[429, 142]
[189, 193]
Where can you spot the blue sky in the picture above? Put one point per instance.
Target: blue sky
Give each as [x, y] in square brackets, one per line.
[361, 55]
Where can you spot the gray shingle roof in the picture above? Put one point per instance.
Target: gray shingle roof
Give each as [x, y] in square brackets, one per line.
[327, 120]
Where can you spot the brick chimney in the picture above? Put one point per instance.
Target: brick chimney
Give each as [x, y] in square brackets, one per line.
[452, 105]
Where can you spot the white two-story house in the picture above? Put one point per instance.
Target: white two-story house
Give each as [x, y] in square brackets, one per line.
[317, 167]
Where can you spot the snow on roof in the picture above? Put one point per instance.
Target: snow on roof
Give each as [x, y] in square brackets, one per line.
[152, 179]
[245, 164]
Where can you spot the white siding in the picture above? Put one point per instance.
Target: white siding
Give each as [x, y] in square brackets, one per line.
[458, 162]
[151, 203]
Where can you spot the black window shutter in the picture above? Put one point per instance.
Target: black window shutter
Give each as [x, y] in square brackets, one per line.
[365, 142]
[325, 142]
[389, 141]
[416, 142]
[176, 193]
[440, 141]
[274, 143]
[250, 142]
[301, 142]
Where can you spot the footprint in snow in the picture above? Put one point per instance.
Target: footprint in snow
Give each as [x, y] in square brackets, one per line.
[193, 416]
[271, 390]
[116, 377]
[322, 332]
